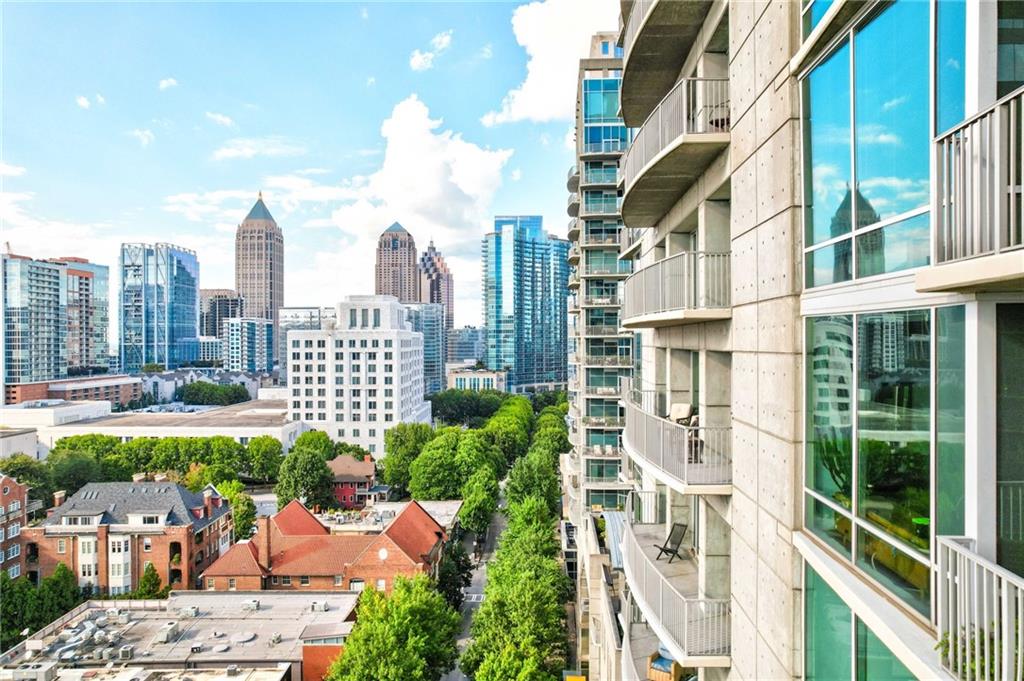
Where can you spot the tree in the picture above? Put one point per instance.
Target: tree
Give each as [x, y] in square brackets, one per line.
[459, 406]
[263, 458]
[454, 574]
[476, 450]
[510, 436]
[402, 444]
[304, 475]
[547, 399]
[243, 510]
[355, 451]
[318, 441]
[534, 475]
[149, 583]
[204, 392]
[409, 634]
[139, 452]
[71, 470]
[225, 451]
[26, 470]
[479, 500]
[200, 475]
[432, 475]
[97, 445]
[152, 367]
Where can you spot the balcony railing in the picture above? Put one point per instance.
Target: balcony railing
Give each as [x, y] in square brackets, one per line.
[694, 106]
[633, 24]
[628, 236]
[609, 360]
[602, 300]
[574, 228]
[698, 627]
[572, 204]
[694, 456]
[602, 175]
[611, 146]
[603, 390]
[616, 268]
[603, 206]
[979, 614]
[1010, 502]
[602, 330]
[599, 240]
[979, 172]
[572, 179]
[605, 421]
[691, 280]
[601, 451]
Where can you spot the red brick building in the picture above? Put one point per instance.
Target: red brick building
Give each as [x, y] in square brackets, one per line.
[116, 389]
[355, 482]
[292, 550]
[13, 519]
[107, 533]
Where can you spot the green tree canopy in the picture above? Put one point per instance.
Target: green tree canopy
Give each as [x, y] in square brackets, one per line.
[355, 451]
[28, 471]
[479, 500]
[454, 574]
[204, 392]
[304, 475]
[317, 441]
[432, 474]
[71, 470]
[263, 457]
[149, 583]
[402, 444]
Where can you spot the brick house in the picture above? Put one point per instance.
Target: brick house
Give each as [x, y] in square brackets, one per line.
[13, 520]
[355, 482]
[292, 550]
[107, 533]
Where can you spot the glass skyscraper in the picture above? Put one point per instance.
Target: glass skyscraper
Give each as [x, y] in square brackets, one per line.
[429, 320]
[159, 306]
[526, 277]
[34, 339]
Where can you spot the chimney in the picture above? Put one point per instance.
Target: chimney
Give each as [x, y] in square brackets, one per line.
[58, 498]
[207, 502]
[263, 540]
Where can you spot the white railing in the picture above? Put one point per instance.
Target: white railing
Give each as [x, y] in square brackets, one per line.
[602, 330]
[602, 300]
[603, 451]
[692, 280]
[1010, 501]
[603, 390]
[979, 614]
[629, 236]
[604, 421]
[979, 172]
[636, 19]
[610, 146]
[600, 239]
[694, 106]
[616, 268]
[573, 198]
[698, 626]
[629, 670]
[694, 456]
[609, 360]
[574, 225]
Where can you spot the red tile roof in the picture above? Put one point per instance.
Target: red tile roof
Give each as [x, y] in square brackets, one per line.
[318, 555]
[347, 469]
[239, 561]
[296, 520]
[415, 531]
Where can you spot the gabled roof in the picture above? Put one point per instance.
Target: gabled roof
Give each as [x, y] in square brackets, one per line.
[347, 468]
[415, 531]
[395, 227]
[259, 211]
[296, 520]
[318, 555]
[239, 561]
[115, 500]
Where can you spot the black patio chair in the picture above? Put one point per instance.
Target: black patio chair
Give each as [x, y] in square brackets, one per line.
[671, 547]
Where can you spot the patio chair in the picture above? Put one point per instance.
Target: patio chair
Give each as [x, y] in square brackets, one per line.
[671, 547]
[661, 667]
[681, 413]
[694, 442]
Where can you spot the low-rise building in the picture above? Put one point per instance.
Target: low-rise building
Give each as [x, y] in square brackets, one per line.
[468, 378]
[376, 519]
[164, 385]
[292, 550]
[18, 441]
[107, 532]
[355, 482]
[119, 390]
[22, 425]
[14, 507]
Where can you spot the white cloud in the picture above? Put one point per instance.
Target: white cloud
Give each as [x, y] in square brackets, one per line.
[167, 83]
[570, 138]
[555, 35]
[312, 171]
[894, 102]
[364, 13]
[371, 81]
[422, 60]
[486, 52]
[8, 170]
[220, 119]
[516, 175]
[100, 99]
[143, 136]
[82, 101]
[250, 147]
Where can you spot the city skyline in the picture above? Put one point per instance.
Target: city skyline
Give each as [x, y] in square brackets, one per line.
[192, 152]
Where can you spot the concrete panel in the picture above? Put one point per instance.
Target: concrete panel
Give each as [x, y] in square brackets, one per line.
[743, 216]
[774, 624]
[776, 266]
[744, 522]
[744, 138]
[744, 582]
[744, 656]
[745, 455]
[741, 25]
[777, 395]
[717, 336]
[776, 180]
[776, 479]
[772, 547]
[716, 384]
[775, 106]
[744, 268]
[779, 327]
[744, 387]
[741, 81]
[769, 666]
[775, 36]
[745, 331]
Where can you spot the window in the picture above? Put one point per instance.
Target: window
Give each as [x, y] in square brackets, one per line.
[382, 584]
[286, 581]
[231, 583]
[827, 628]
[304, 580]
[14, 571]
[147, 544]
[150, 520]
[13, 530]
[211, 584]
[62, 546]
[275, 580]
[355, 585]
[338, 580]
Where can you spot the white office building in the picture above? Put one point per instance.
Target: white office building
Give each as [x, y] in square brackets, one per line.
[360, 375]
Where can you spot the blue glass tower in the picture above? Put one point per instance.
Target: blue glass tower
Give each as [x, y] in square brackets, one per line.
[526, 277]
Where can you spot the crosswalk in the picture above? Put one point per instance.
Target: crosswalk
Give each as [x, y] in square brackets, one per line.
[474, 598]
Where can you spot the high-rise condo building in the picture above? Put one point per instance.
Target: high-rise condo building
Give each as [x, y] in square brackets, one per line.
[159, 300]
[248, 344]
[359, 375]
[823, 428]
[525, 282]
[600, 350]
[33, 340]
[259, 264]
[436, 283]
[305, 318]
[216, 305]
[467, 343]
[397, 272]
[88, 315]
[429, 320]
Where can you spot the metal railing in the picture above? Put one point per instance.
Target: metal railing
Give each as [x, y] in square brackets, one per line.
[695, 456]
[599, 240]
[573, 170]
[694, 106]
[572, 198]
[980, 608]
[602, 330]
[611, 146]
[602, 175]
[602, 451]
[692, 280]
[608, 360]
[1010, 503]
[603, 390]
[979, 171]
[698, 626]
[602, 206]
[636, 19]
[618, 267]
[606, 421]
[602, 300]
[629, 236]
[574, 225]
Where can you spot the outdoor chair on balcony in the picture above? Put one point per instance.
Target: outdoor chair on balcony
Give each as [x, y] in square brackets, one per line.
[671, 547]
[694, 442]
[661, 667]
[681, 413]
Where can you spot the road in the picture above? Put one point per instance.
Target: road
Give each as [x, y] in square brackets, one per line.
[475, 591]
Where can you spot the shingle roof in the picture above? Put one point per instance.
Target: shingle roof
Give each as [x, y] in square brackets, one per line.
[415, 531]
[259, 211]
[347, 469]
[239, 560]
[296, 520]
[318, 555]
[115, 500]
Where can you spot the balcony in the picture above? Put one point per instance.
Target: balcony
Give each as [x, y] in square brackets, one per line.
[692, 460]
[686, 288]
[695, 630]
[602, 206]
[572, 179]
[601, 301]
[574, 280]
[603, 421]
[574, 254]
[572, 205]
[676, 144]
[574, 229]
[604, 330]
[979, 614]
[629, 242]
[601, 452]
[606, 483]
[611, 148]
[657, 37]
[599, 240]
[978, 215]
[608, 360]
[600, 176]
[617, 268]
[602, 390]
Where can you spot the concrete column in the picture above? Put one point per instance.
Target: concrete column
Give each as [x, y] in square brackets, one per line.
[715, 388]
[714, 558]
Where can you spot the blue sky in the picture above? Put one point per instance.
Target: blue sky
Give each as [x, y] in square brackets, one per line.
[161, 121]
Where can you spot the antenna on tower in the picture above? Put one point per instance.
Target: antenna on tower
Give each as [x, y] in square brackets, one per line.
[7, 247]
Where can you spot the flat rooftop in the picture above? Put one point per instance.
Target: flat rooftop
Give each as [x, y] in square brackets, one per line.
[378, 516]
[143, 674]
[254, 413]
[225, 631]
[5, 431]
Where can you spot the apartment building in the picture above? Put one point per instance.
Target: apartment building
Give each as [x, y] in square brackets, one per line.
[14, 508]
[289, 318]
[88, 315]
[215, 306]
[428, 319]
[468, 378]
[108, 532]
[248, 344]
[359, 376]
[828, 291]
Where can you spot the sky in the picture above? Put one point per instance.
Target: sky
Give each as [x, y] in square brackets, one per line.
[161, 122]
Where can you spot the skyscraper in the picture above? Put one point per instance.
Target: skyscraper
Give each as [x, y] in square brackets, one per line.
[467, 343]
[247, 343]
[436, 283]
[159, 306]
[216, 305]
[526, 275]
[297, 318]
[88, 315]
[259, 264]
[428, 319]
[396, 272]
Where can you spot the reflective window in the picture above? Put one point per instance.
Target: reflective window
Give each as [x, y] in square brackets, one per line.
[827, 628]
[829, 265]
[875, 662]
[830, 525]
[895, 247]
[827, 92]
[951, 17]
[1010, 69]
[829, 417]
[903, 574]
[950, 384]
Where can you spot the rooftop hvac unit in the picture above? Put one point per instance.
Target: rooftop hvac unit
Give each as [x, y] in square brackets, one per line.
[108, 653]
[251, 604]
[112, 613]
[318, 606]
[166, 632]
[124, 617]
[125, 652]
[275, 638]
[232, 670]
[190, 611]
[35, 671]
[196, 649]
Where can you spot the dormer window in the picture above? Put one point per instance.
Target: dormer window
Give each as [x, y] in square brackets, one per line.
[150, 520]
